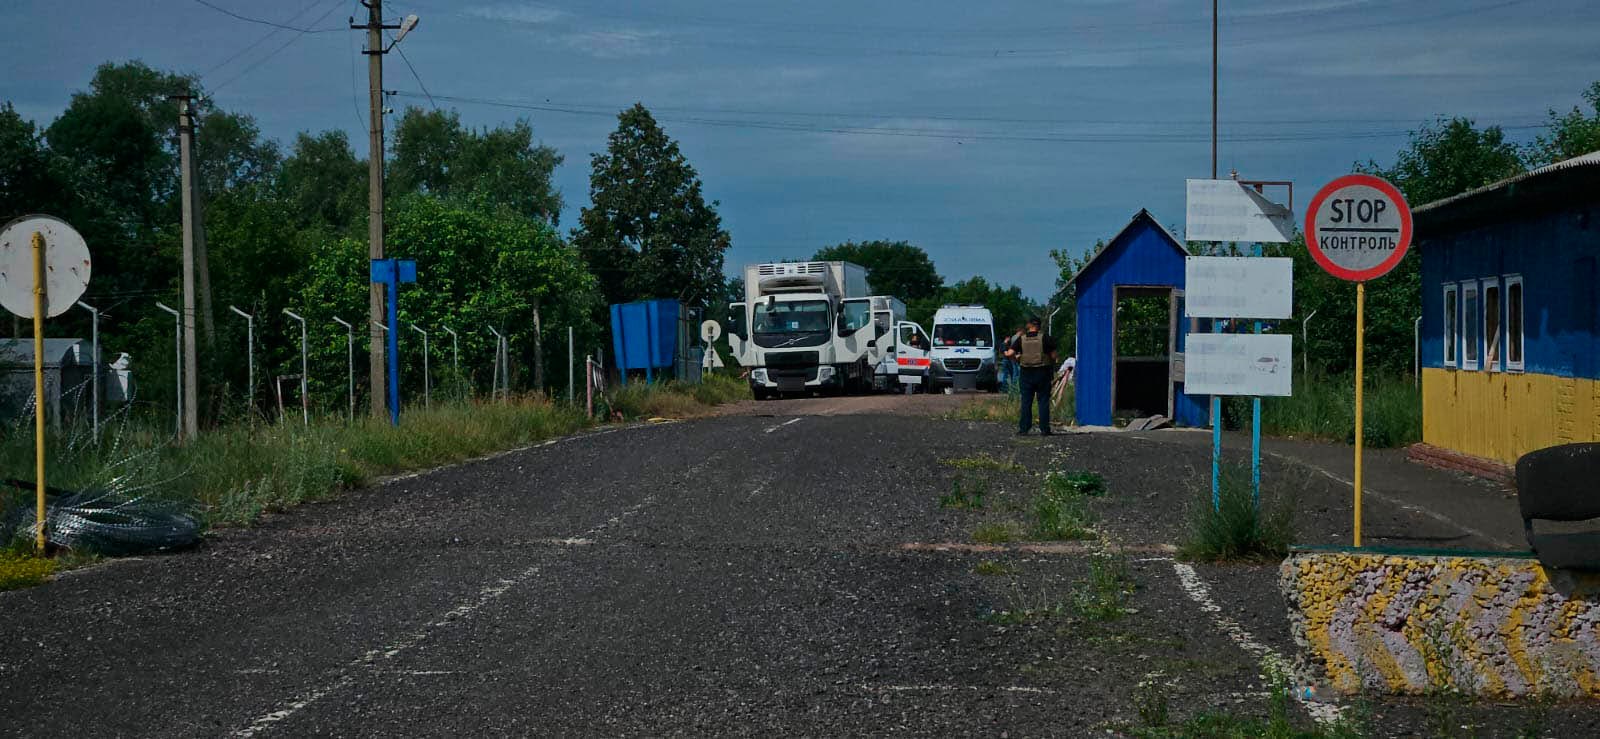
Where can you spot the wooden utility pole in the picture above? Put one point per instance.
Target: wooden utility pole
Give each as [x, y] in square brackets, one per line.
[375, 307]
[190, 368]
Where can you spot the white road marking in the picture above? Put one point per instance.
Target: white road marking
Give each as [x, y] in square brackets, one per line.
[368, 662]
[771, 429]
[1189, 580]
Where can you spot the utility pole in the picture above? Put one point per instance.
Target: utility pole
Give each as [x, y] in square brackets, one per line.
[189, 371]
[375, 307]
[1214, 11]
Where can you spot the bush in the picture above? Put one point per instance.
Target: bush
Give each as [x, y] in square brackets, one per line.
[1237, 529]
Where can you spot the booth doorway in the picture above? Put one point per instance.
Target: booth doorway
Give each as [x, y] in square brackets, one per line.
[1147, 351]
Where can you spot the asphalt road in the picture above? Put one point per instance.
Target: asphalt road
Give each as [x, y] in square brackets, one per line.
[788, 574]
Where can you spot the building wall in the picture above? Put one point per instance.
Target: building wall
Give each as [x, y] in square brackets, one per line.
[1140, 256]
[1555, 397]
[1502, 416]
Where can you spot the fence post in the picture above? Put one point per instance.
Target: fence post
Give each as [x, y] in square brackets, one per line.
[249, 355]
[305, 404]
[350, 363]
[588, 385]
[427, 383]
[177, 336]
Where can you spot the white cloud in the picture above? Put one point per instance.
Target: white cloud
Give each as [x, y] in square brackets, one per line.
[619, 43]
[523, 13]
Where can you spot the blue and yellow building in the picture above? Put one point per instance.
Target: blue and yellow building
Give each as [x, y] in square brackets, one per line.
[1510, 321]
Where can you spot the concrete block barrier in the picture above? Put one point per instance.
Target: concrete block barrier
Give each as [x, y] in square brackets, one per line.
[1492, 626]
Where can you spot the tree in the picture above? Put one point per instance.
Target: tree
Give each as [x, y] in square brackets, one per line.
[1572, 134]
[1449, 157]
[1009, 307]
[893, 267]
[324, 183]
[649, 232]
[28, 180]
[435, 154]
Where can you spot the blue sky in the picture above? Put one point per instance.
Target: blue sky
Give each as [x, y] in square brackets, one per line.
[988, 133]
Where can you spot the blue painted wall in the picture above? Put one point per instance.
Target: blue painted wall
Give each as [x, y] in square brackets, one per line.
[644, 335]
[1557, 254]
[1142, 255]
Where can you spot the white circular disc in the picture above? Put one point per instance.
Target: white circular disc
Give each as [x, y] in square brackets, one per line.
[710, 331]
[66, 265]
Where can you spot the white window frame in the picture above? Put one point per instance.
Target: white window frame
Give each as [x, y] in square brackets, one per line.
[1484, 286]
[1468, 339]
[1451, 330]
[1522, 326]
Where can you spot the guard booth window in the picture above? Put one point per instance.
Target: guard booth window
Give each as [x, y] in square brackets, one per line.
[1491, 325]
[1514, 323]
[1471, 318]
[1452, 327]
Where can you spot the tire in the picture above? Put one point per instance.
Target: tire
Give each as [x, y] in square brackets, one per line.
[761, 394]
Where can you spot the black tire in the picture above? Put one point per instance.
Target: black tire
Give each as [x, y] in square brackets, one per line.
[761, 394]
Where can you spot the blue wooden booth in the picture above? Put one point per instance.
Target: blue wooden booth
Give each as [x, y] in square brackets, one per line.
[1143, 261]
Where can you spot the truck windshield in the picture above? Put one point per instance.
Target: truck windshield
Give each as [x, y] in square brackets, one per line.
[800, 323]
[963, 334]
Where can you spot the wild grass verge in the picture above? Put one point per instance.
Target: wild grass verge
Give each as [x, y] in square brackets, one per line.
[1151, 702]
[1237, 527]
[233, 474]
[21, 569]
[1006, 408]
[1323, 407]
[984, 461]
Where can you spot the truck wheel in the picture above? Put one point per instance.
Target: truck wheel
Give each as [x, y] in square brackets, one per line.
[761, 394]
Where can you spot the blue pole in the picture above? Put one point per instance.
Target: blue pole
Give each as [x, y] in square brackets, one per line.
[1216, 439]
[394, 342]
[1255, 431]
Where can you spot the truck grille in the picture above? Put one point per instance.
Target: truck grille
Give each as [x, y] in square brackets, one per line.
[792, 359]
[963, 364]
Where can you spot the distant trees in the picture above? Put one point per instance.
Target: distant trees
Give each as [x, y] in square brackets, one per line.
[648, 232]
[502, 167]
[894, 267]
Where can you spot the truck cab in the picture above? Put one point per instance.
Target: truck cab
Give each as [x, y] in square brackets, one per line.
[964, 348]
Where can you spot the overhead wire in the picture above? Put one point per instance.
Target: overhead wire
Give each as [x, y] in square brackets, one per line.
[264, 22]
[274, 52]
[251, 47]
[415, 76]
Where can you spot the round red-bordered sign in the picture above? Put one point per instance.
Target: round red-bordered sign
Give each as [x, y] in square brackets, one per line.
[1358, 227]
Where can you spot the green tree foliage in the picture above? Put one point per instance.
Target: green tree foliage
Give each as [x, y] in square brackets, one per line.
[435, 154]
[325, 183]
[1571, 134]
[27, 176]
[893, 267]
[649, 232]
[1448, 157]
[1009, 306]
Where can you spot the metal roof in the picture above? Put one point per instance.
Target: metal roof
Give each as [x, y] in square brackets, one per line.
[1476, 202]
[1142, 215]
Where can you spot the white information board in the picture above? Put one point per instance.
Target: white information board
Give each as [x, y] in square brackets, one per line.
[1238, 287]
[1239, 364]
[1228, 210]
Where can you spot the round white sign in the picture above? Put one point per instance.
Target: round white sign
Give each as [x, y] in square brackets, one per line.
[1358, 227]
[710, 331]
[66, 265]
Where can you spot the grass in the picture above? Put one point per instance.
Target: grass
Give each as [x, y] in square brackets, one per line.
[968, 496]
[992, 567]
[997, 532]
[1151, 704]
[1104, 596]
[984, 461]
[1323, 408]
[21, 569]
[233, 474]
[1238, 529]
[1006, 408]
[1081, 482]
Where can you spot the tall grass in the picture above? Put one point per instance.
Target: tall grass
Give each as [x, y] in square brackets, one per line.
[1007, 407]
[233, 474]
[1237, 528]
[1323, 407]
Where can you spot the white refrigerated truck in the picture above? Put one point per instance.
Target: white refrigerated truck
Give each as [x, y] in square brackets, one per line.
[808, 327]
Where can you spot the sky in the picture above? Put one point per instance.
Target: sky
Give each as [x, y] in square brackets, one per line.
[986, 133]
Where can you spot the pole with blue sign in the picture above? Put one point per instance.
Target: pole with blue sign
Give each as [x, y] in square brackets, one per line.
[391, 273]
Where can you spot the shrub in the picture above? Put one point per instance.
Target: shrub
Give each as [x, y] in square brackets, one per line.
[1237, 529]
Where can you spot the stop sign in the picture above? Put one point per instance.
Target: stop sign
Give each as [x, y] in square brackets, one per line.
[1358, 227]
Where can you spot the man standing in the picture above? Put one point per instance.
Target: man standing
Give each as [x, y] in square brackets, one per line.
[1036, 353]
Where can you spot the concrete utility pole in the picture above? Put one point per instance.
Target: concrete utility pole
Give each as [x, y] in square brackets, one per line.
[375, 308]
[1214, 11]
[189, 371]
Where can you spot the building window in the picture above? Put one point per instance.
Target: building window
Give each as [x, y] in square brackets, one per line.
[1473, 321]
[1452, 324]
[1514, 331]
[1491, 325]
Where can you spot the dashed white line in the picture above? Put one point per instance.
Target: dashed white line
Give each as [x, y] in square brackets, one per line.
[488, 594]
[1189, 580]
[771, 429]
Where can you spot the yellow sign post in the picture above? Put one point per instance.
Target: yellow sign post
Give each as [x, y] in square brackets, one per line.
[1358, 227]
[38, 383]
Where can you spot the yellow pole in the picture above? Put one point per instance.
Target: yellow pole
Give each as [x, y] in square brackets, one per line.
[1361, 334]
[38, 384]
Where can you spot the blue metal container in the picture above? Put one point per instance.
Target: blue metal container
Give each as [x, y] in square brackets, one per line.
[647, 335]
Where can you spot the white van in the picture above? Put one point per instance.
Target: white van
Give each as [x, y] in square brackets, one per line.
[964, 347]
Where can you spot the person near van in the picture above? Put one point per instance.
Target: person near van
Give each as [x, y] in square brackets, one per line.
[1008, 366]
[1036, 354]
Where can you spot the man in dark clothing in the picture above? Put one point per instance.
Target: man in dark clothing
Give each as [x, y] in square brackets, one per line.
[1036, 353]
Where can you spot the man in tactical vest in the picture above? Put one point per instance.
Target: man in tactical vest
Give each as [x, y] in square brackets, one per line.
[1036, 353]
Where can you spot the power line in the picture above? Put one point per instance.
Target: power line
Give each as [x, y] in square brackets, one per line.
[274, 52]
[958, 136]
[414, 75]
[274, 24]
[253, 45]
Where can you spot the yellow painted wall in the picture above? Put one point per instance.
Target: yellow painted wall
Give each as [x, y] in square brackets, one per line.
[1503, 416]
